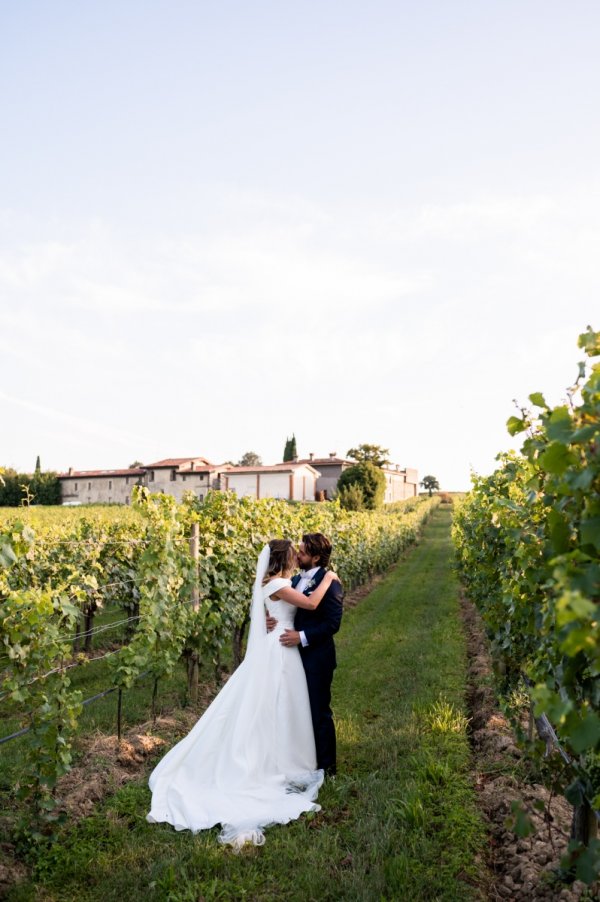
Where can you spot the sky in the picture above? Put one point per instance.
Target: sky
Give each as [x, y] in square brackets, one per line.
[224, 223]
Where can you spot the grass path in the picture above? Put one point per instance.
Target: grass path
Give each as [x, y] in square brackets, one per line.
[400, 820]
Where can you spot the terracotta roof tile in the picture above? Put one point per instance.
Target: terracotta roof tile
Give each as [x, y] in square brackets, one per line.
[325, 460]
[83, 473]
[176, 462]
[204, 468]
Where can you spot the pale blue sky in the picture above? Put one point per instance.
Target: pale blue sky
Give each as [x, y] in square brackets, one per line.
[221, 223]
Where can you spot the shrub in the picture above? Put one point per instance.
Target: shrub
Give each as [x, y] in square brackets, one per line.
[369, 479]
[352, 497]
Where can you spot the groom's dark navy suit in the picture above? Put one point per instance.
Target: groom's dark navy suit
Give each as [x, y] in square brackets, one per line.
[318, 658]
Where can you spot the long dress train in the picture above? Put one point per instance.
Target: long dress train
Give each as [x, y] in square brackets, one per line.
[250, 759]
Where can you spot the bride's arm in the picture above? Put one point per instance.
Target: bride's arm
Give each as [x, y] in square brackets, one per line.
[311, 601]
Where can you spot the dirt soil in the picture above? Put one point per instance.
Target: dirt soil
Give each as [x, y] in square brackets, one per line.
[522, 869]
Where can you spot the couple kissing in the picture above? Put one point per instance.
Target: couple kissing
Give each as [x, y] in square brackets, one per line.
[260, 752]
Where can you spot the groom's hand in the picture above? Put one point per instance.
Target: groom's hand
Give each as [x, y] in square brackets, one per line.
[290, 638]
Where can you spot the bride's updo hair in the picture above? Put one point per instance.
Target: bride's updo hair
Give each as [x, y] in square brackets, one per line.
[283, 557]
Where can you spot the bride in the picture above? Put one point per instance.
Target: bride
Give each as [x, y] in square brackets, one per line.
[250, 759]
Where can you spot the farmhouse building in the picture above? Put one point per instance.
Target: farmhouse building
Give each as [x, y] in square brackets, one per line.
[330, 469]
[176, 475]
[172, 476]
[96, 486]
[308, 479]
[292, 481]
[400, 483]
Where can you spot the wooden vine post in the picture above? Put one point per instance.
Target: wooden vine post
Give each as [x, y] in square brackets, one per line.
[195, 601]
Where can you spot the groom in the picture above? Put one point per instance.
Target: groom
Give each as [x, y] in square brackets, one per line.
[313, 633]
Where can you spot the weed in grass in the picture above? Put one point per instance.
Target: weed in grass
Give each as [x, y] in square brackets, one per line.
[437, 772]
[443, 717]
[411, 810]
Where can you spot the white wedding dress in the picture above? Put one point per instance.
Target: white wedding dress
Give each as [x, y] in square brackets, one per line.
[250, 759]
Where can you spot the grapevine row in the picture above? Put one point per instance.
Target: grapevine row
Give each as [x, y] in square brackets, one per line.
[528, 547]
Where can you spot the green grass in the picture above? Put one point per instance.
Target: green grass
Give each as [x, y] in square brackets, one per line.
[400, 820]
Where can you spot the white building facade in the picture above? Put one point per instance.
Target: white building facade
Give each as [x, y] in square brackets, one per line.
[288, 481]
[400, 484]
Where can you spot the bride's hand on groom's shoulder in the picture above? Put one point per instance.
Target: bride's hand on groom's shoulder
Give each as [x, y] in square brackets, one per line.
[333, 576]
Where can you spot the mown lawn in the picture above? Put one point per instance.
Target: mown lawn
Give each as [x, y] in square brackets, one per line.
[399, 821]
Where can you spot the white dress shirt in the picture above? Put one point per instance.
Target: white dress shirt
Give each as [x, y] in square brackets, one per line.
[305, 578]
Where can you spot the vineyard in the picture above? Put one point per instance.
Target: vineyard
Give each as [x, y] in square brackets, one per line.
[528, 546]
[162, 583]
[161, 592]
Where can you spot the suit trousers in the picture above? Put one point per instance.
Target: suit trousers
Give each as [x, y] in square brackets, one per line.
[318, 680]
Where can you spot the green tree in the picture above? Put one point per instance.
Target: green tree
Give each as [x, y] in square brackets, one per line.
[374, 454]
[38, 466]
[46, 488]
[430, 484]
[10, 492]
[250, 459]
[43, 488]
[369, 479]
[290, 451]
[135, 465]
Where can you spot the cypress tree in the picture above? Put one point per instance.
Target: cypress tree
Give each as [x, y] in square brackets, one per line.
[290, 451]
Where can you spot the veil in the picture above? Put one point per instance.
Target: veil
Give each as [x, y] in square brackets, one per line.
[258, 625]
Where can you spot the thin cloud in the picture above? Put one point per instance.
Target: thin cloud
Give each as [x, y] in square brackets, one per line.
[80, 424]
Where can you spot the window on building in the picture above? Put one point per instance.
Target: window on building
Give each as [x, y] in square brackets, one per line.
[127, 480]
[201, 497]
[109, 486]
[184, 478]
[173, 475]
[89, 486]
[151, 476]
[126, 499]
[75, 486]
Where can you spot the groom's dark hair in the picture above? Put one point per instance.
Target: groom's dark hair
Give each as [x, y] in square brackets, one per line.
[315, 544]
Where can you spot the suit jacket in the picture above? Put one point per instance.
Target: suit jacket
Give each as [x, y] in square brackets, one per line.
[320, 625]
